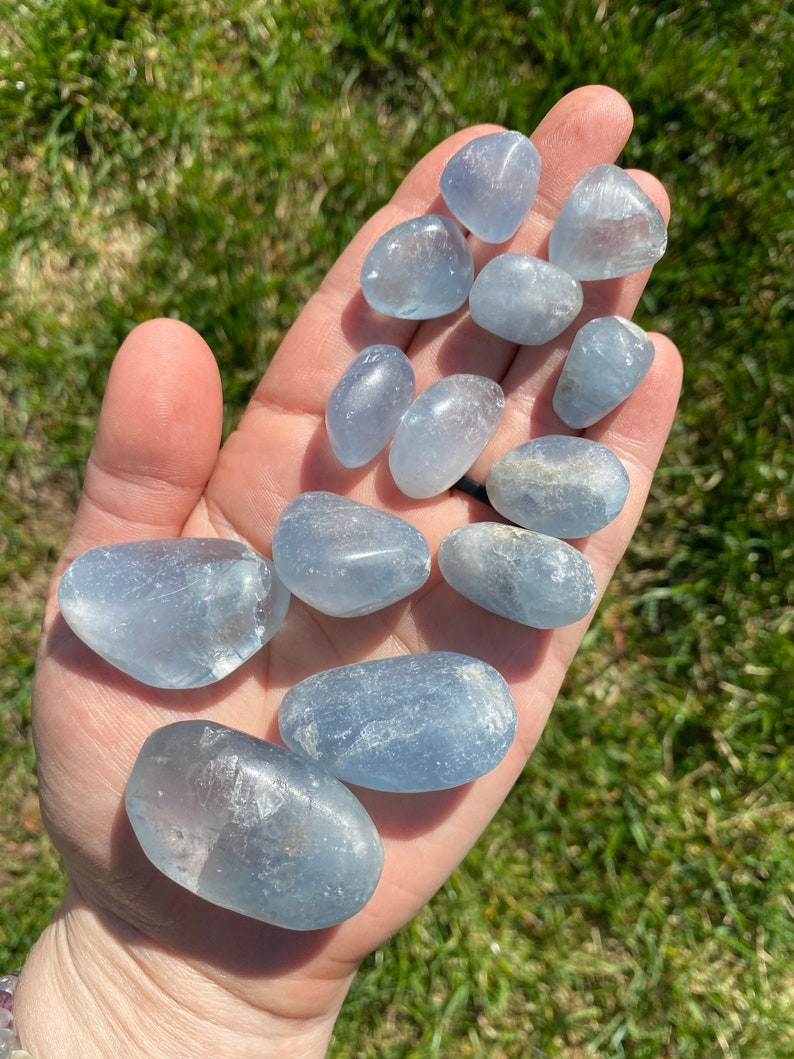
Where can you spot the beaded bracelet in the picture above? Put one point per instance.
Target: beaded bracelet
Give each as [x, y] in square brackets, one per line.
[10, 1046]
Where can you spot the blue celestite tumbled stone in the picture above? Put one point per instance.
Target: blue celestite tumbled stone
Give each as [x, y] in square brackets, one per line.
[345, 558]
[420, 722]
[490, 184]
[560, 485]
[419, 269]
[524, 299]
[522, 575]
[174, 613]
[443, 433]
[607, 227]
[367, 403]
[608, 359]
[252, 827]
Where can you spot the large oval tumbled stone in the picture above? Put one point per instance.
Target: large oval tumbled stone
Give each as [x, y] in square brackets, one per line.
[174, 613]
[524, 299]
[420, 722]
[252, 827]
[561, 485]
[490, 184]
[345, 558]
[419, 269]
[443, 433]
[522, 575]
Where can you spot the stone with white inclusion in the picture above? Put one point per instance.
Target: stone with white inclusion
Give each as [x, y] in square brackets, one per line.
[368, 402]
[415, 723]
[527, 577]
[607, 227]
[420, 269]
[443, 432]
[608, 359]
[561, 485]
[345, 558]
[524, 299]
[252, 827]
[491, 183]
[174, 613]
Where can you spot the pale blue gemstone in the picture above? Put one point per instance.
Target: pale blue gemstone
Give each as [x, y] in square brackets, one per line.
[608, 359]
[443, 433]
[607, 227]
[367, 403]
[490, 184]
[522, 575]
[252, 827]
[345, 558]
[420, 722]
[524, 299]
[174, 613]
[419, 269]
[560, 485]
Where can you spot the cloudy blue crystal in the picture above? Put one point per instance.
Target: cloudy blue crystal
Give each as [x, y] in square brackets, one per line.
[524, 299]
[367, 403]
[607, 227]
[522, 575]
[420, 722]
[490, 184]
[252, 827]
[560, 485]
[608, 359]
[174, 613]
[345, 558]
[443, 433]
[419, 269]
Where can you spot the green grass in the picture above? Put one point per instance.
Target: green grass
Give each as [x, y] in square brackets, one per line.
[209, 161]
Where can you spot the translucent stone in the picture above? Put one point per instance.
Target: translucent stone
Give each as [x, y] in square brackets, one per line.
[252, 827]
[607, 227]
[522, 575]
[419, 269]
[345, 558]
[608, 359]
[443, 433]
[421, 722]
[174, 613]
[367, 403]
[524, 299]
[490, 184]
[560, 485]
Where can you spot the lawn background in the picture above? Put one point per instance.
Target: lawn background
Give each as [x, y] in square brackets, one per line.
[209, 161]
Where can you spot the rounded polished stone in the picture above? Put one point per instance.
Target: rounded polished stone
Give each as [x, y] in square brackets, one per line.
[419, 269]
[560, 485]
[175, 613]
[524, 299]
[443, 432]
[490, 184]
[252, 827]
[368, 402]
[345, 558]
[421, 722]
[522, 575]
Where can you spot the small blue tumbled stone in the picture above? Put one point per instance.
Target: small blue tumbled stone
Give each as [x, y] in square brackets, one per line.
[345, 558]
[519, 574]
[419, 269]
[252, 827]
[608, 359]
[422, 722]
[490, 184]
[443, 433]
[560, 485]
[524, 299]
[367, 403]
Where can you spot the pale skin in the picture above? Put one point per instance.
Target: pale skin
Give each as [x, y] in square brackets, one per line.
[132, 965]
